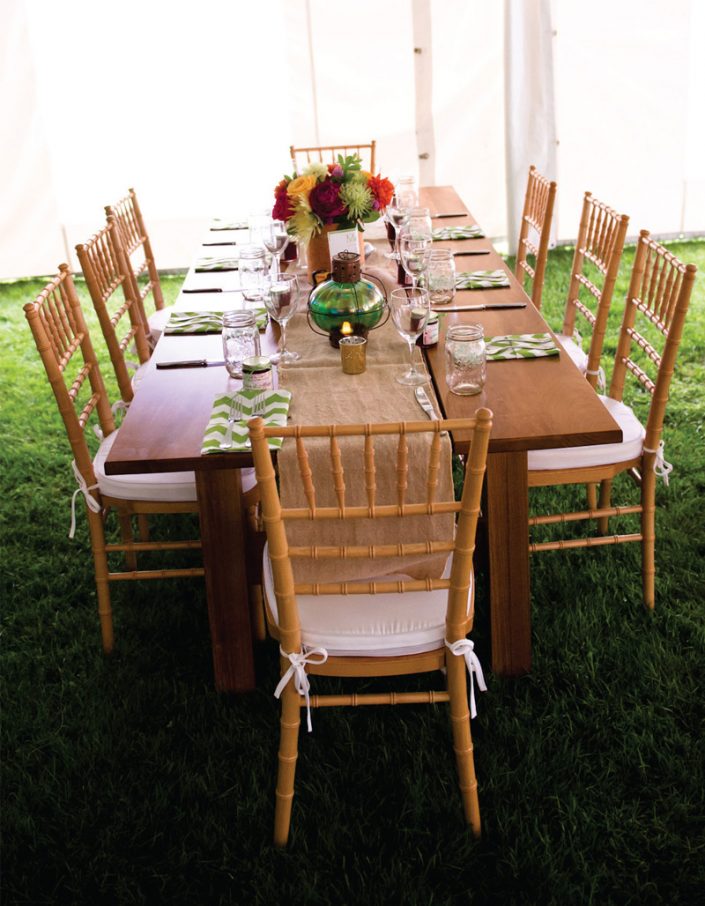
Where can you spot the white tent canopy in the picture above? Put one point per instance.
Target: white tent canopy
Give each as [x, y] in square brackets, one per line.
[196, 104]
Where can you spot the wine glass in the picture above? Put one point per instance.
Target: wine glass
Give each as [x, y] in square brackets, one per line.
[410, 310]
[396, 215]
[281, 297]
[415, 254]
[275, 239]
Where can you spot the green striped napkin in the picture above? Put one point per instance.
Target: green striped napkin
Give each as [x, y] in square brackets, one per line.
[187, 322]
[207, 264]
[520, 346]
[218, 224]
[458, 232]
[481, 279]
[274, 412]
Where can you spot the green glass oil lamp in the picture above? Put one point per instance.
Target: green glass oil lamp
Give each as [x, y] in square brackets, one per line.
[348, 304]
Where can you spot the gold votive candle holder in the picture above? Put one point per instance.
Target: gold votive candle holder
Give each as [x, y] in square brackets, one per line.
[353, 354]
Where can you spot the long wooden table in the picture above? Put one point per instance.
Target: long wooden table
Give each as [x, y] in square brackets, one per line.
[537, 404]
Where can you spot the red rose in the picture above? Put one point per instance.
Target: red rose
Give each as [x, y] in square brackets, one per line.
[283, 209]
[325, 201]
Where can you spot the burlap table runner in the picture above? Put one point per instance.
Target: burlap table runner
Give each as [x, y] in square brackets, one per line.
[324, 395]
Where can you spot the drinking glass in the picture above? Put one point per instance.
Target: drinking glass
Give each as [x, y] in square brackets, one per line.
[465, 359]
[415, 254]
[418, 223]
[396, 215]
[281, 297]
[252, 268]
[240, 339]
[275, 239]
[406, 192]
[410, 310]
[440, 276]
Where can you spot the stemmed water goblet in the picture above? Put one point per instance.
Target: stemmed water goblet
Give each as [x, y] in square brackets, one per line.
[275, 239]
[281, 297]
[415, 254]
[395, 215]
[410, 309]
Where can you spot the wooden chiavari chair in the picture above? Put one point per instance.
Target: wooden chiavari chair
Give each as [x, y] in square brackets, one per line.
[329, 154]
[383, 626]
[535, 232]
[107, 273]
[138, 249]
[60, 333]
[659, 294]
[599, 246]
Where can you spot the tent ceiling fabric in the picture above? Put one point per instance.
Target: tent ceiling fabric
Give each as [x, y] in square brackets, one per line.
[197, 105]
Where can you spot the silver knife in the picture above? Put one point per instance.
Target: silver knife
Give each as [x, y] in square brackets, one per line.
[423, 399]
[449, 214]
[189, 363]
[491, 305]
[473, 252]
[215, 289]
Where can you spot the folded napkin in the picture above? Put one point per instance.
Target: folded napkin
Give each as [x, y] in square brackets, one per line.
[218, 224]
[274, 411]
[188, 322]
[520, 346]
[458, 232]
[481, 279]
[207, 264]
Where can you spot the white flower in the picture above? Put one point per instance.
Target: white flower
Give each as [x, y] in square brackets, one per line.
[317, 169]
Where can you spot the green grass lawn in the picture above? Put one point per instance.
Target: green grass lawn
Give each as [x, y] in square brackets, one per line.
[129, 780]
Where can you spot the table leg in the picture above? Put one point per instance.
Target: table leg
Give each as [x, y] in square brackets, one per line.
[223, 539]
[507, 514]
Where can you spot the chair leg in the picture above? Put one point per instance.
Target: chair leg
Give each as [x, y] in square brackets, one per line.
[648, 533]
[259, 629]
[605, 499]
[591, 490]
[462, 740]
[100, 562]
[288, 753]
[126, 535]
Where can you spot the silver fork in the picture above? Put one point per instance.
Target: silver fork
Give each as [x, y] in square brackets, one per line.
[234, 414]
[258, 406]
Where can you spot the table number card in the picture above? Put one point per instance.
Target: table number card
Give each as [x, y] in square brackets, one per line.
[343, 241]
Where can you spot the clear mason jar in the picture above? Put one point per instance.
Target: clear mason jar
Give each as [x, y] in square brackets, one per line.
[406, 191]
[240, 340]
[440, 276]
[465, 359]
[418, 224]
[253, 269]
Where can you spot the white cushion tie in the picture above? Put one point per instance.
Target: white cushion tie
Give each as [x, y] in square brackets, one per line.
[84, 489]
[662, 468]
[297, 670]
[467, 648]
[601, 379]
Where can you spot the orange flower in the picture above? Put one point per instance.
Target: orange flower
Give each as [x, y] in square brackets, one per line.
[382, 189]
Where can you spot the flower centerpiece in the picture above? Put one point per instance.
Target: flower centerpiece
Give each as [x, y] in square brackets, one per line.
[325, 197]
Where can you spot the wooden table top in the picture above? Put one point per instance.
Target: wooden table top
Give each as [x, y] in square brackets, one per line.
[537, 403]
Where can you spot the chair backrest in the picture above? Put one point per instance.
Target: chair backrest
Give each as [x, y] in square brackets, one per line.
[535, 232]
[329, 154]
[275, 516]
[107, 273]
[599, 244]
[60, 332]
[659, 294]
[137, 246]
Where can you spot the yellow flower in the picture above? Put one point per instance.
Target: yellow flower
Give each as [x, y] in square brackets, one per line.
[302, 185]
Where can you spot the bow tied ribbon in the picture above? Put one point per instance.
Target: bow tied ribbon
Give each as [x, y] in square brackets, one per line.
[297, 670]
[466, 648]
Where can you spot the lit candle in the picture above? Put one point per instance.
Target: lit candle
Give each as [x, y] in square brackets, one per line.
[353, 354]
[346, 329]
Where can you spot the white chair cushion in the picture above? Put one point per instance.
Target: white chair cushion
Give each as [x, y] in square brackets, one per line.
[158, 486]
[384, 625]
[158, 320]
[601, 454]
[574, 351]
[138, 375]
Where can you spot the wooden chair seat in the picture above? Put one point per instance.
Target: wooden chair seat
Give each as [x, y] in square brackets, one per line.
[386, 626]
[600, 454]
[364, 625]
[652, 325]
